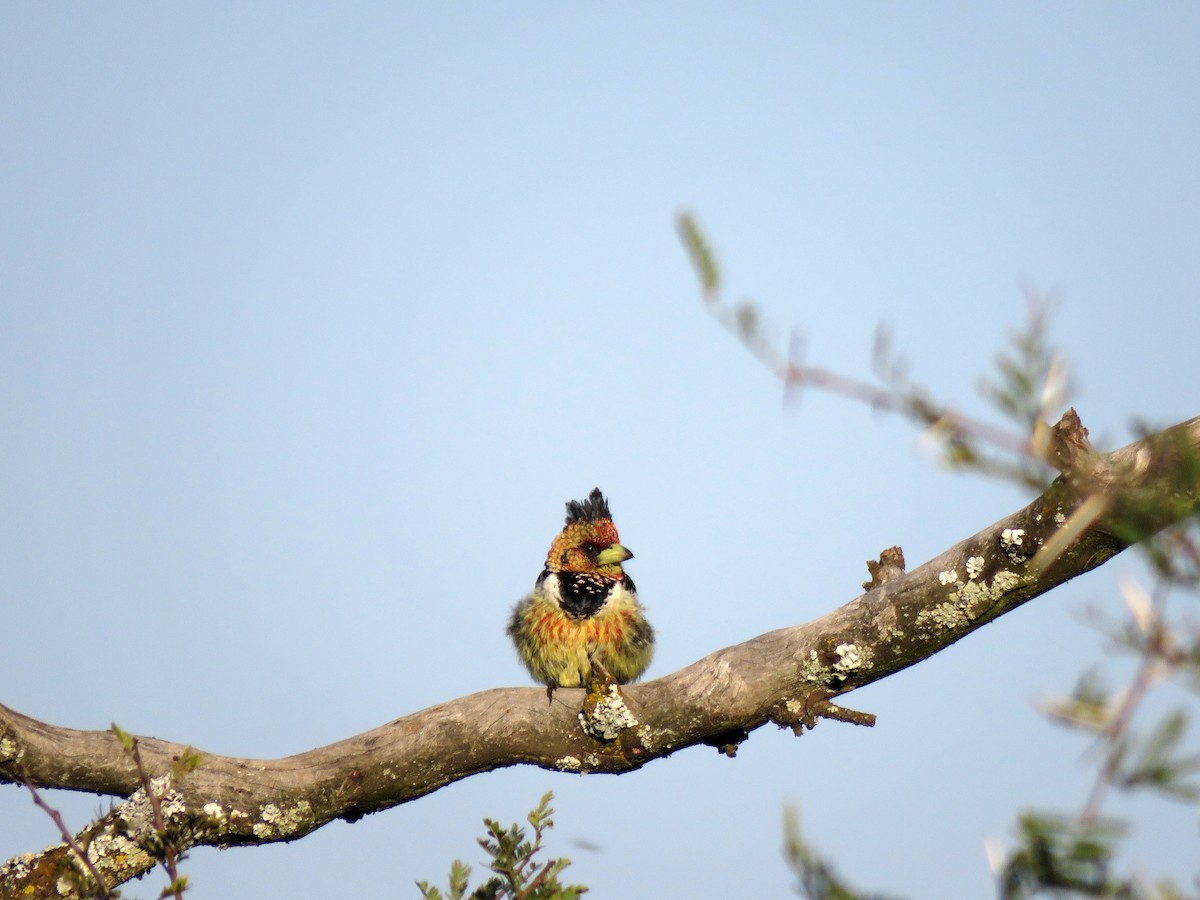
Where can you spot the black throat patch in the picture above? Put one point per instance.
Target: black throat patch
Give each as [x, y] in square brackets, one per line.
[582, 593]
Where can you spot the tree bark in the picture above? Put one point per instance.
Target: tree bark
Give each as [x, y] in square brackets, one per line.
[1100, 505]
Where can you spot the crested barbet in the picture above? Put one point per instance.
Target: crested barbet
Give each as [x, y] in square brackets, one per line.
[583, 623]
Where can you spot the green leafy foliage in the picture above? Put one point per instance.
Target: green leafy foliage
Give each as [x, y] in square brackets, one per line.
[1158, 763]
[518, 874]
[1061, 858]
[815, 875]
[1088, 708]
[1030, 384]
[188, 761]
[1056, 856]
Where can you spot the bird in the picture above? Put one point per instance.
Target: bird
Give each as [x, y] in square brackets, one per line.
[583, 624]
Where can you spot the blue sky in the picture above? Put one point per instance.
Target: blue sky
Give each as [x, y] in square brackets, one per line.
[312, 316]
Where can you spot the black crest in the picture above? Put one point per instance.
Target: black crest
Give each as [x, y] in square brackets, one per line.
[595, 507]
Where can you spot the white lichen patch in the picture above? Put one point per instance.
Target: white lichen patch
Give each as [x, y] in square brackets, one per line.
[974, 566]
[8, 749]
[173, 807]
[608, 717]
[18, 867]
[850, 657]
[1059, 518]
[948, 577]
[649, 737]
[568, 763]
[214, 819]
[268, 815]
[138, 813]
[1013, 543]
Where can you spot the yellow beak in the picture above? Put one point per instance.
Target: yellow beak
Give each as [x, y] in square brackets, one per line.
[613, 555]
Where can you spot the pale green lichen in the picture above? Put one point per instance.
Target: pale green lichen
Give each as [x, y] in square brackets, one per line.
[946, 616]
[119, 849]
[8, 749]
[973, 597]
[1004, 582]
[970, 601]
[113, 850]
[275, 822]
[813, 670]
[974, 566]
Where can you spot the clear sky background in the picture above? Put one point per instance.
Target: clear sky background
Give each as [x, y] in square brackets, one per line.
[312, 317]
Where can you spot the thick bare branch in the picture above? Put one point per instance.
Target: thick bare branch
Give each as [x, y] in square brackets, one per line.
[786, 676]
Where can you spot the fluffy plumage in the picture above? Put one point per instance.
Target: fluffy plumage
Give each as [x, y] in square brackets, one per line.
[583, 621]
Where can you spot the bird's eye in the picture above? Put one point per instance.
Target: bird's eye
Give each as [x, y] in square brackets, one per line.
[591, 548]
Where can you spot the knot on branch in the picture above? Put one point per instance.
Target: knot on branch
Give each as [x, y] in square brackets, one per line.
[889, 567]
[1067, 447]
[727, 741]
[804, 713]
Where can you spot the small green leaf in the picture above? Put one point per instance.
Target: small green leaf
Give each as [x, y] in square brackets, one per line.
[187, 762]
[125, 739]
[700, 253]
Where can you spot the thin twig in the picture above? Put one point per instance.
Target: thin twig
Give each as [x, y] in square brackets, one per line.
[1119, 725]
[170, 857]
[57, 818]
[742, 322]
